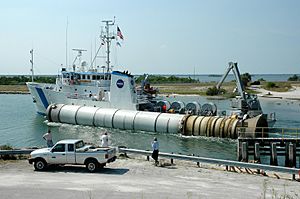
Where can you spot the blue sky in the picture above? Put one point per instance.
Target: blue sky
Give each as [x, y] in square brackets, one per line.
[161, 36]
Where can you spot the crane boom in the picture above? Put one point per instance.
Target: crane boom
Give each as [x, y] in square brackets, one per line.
[233, 66]
[247, 103]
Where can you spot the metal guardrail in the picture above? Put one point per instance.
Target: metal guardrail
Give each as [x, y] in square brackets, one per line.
[293, 171]
[16, 152]
[281, 169]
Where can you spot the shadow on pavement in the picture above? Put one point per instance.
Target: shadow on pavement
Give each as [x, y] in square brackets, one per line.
[82, 169]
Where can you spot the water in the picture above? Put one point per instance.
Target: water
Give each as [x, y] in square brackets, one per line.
[20, 126]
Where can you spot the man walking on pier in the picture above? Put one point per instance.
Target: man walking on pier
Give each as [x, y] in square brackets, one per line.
[155, 148]
[48, 137]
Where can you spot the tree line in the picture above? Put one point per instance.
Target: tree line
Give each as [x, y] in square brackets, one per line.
[159, 79]
[21, 80]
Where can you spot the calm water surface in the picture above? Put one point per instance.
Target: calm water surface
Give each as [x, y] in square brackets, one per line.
[20, 126]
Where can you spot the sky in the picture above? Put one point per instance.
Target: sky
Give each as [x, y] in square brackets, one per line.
[160, 36]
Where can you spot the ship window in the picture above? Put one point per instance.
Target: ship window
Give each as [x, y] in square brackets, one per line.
[83, 76]
[98, 77]
[93, 77]
[88, 77]
[102, 77]
[109, 77]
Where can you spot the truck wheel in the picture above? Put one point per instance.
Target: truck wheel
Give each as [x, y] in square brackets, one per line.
[91, 165]
[40, 165]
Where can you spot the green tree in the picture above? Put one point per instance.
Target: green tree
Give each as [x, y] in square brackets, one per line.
[246, 78]
[294, 78]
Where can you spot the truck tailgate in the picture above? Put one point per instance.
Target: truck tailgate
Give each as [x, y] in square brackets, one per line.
[111, 153]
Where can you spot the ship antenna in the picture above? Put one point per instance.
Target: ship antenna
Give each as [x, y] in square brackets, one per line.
[67, 42]
[108, 39]
[31, 61]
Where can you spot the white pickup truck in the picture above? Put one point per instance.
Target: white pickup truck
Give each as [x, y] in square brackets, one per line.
[72, 151]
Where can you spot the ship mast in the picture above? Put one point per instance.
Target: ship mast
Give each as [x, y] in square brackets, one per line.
[31, 61]
[107, 38]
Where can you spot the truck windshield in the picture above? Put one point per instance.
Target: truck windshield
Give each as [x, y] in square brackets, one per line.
[79, 144]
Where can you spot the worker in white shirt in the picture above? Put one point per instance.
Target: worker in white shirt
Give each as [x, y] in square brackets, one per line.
[48, 137]
[155, 148]
[104, 140]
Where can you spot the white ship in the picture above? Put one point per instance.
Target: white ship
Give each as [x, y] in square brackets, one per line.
[90, 87]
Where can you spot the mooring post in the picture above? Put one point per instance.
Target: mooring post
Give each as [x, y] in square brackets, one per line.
[148, 159]
[245, 151]
[273, 160]
[172, 161]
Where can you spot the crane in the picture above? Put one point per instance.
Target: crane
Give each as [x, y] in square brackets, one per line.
[245, 103]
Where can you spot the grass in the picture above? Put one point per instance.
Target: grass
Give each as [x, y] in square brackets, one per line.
[192, 88]
[277, 86]
[14, 88]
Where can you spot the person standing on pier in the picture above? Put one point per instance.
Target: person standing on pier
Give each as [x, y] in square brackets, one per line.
[155, 148]
[104, 140]
[48, 137]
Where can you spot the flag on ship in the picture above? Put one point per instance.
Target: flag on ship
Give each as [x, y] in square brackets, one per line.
[119, 33]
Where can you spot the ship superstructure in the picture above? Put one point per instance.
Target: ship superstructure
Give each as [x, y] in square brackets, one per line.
[87, 86]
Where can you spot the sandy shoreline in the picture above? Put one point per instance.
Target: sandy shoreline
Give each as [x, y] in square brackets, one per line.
[292, 94]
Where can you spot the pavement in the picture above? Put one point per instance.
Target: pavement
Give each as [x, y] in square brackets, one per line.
[138, 178]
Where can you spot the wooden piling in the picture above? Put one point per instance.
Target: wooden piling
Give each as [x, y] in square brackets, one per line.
[273, 160]
[292, 155]
[245, 151]
[256, 152]
[286, 163]
[239, 151]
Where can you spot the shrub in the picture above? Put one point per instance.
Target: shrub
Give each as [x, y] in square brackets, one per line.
[294, 78]
[246, 78]
[255, 83]
[271, 85]
[214, 91]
